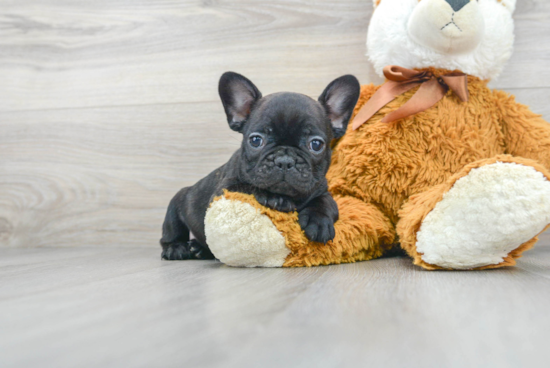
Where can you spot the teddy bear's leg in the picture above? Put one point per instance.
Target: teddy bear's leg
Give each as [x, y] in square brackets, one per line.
[362, 233]
[239, 235]
[483, 217]
[242, 233]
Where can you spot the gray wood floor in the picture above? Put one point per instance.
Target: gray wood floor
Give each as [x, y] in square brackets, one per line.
[108, 107]
[98, 307]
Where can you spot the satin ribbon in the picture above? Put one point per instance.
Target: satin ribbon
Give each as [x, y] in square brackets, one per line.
[400, 80]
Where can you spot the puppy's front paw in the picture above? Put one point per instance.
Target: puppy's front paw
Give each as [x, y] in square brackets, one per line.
[318, 226]
[275, 202]
[188, 250]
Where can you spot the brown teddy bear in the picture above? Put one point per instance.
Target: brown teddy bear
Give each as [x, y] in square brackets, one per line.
[434, 161]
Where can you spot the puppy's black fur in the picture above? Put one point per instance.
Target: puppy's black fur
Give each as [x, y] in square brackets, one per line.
[282, 161]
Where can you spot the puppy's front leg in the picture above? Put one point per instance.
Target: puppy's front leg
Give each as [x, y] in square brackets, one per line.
[318, 217]
[176, 243]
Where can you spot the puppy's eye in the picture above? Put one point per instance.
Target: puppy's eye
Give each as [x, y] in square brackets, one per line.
[256, 140]
[316, 145]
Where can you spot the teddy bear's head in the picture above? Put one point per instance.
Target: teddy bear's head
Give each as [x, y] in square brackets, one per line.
[474, 36]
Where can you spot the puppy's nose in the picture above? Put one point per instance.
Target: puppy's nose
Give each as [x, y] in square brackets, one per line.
[285, 162]
[457, 4]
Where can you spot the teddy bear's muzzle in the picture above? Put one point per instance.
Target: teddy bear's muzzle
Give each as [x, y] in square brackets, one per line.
[447, 26]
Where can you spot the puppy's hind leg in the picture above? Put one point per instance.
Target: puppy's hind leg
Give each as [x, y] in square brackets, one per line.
[176, 243]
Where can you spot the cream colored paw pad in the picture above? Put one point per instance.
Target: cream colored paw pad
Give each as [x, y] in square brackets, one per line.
[486, 215]
[240, 236]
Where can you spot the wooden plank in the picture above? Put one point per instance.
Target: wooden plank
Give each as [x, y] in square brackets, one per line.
[125, 307]
[531, 48]
[67, 54]
[103, 176]
[63, 54]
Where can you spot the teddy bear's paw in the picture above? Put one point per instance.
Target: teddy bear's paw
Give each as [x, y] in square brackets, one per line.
[240, 236]
[485, 216]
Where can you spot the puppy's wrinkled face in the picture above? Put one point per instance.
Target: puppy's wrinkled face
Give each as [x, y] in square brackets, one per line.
[285, 145]
[286, 136]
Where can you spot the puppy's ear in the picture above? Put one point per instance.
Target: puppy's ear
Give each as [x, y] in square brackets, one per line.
[339, 99]
[238, 96]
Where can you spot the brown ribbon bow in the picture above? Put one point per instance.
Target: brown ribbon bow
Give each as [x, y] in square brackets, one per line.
[400, 80]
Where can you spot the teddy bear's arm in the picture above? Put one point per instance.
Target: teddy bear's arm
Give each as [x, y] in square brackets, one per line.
[526, 134]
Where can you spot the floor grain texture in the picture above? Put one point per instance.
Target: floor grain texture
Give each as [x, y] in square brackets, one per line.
[98, 307]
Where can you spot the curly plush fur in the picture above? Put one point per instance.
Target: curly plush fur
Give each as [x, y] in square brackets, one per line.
[458, 186]
[389, 41]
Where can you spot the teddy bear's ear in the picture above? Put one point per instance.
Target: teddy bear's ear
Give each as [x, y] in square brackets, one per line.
[238, 95]
[376, 3]
[509, 4]
[338, 100]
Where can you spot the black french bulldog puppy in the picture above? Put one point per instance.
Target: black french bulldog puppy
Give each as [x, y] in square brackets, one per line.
[283, 160]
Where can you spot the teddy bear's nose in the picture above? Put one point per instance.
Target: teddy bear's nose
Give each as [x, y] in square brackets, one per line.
[457, 4]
